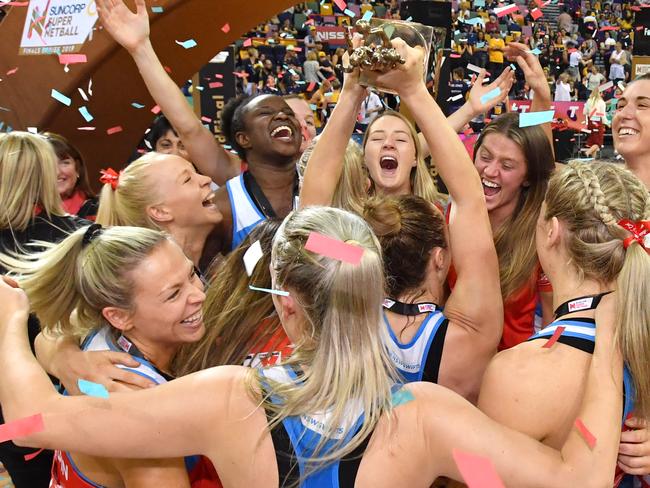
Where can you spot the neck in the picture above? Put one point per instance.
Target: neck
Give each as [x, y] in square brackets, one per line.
[429, 294]
[160, 355]
[498, 216]
[567, 285]
[191, 240]
[641, 168]
[273, 177]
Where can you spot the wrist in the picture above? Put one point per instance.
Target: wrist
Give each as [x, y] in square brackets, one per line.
[141, 49]
[411, 93]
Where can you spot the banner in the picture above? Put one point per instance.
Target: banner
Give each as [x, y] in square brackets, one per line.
[563, 110]
[57, 26]
[217, 85]
[332, 35]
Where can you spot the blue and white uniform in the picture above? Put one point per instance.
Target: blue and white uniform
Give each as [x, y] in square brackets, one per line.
[580, 333]
[297, 437]
[245, 214]
[419, 359]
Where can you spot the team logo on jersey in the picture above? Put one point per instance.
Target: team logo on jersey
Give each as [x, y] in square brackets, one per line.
[581, 304]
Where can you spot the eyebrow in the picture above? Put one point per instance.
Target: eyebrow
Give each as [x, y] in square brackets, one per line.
[382, 131]
[177, 284]
[182, 174]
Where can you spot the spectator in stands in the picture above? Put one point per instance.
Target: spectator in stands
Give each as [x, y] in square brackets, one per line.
[72, 179]
[565, 21]
[369, 110]
[594, 79]
[575, 60]
[480, 56]
[496, 47]
[595, 111]
[563, 89]
[325, 66]
[617, 61]
[310, 68]
[458, 88]
[492, 26]
[288, 29]
[266, 76]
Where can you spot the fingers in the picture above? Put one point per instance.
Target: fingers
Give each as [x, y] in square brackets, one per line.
[10, 281]
[632, 470]
[634, 436]
[636, 450]
[634, 463]
[480, 77]
[129, 378]
[141, 8]
[122, 358]
[636, 423]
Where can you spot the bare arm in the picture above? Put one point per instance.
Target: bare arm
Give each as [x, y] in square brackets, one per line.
[475, 307]
[132, 32]
[62, 358]
[153, 473]
[326, 161]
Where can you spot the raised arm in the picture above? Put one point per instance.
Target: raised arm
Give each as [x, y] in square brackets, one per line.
[326, 161]
[475, 308]
[132, 32]
[474, 104]
[536, 79]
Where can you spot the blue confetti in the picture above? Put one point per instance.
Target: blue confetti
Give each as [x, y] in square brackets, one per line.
[401, 397]
[92, 389]
[85, 114]
[349, 13]
[157, 9]
[367, 16]
[60, 97]
[189, 44]
[536, 118]
[137, 105]
[490, 95]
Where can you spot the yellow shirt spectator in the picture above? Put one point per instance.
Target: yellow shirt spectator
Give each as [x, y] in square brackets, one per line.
[495, 49]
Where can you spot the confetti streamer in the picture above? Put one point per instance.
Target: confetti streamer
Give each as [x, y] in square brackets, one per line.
[155, 109]
[474, 68]
[12, 71]
[455, 97]
[21, 427]
[490, 95]
[225, 28]
[589, 438]
[281, 293]
[83, 94]
[90, 87]
[477, 471]
[349, 13]
[114, 130]
[252, 256]
[157, 9]
[189, 44]
[29, 457]
[508, 9]
[137, 105]
[92, 389]
[72, 58]
[333, 248]
[605, 86]
[206, 119]
[536, 13]
[60, 97]
[367, 16]
[85, 114]
[215, 84]
[248, 42]
[536, 118]
[85, 128]
[341, 5]
[553, 339]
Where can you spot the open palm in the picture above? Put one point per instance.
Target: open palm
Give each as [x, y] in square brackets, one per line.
[503, 82]
[127, 28]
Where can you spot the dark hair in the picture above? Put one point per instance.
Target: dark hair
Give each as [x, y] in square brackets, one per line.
[159, 127]
[408, 228]
[63, 150]
[232, 121]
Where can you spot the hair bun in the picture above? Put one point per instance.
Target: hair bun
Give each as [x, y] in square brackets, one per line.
[384, 215]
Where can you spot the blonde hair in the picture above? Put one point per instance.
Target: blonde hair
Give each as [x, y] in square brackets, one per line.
[590, 199]
[28, 172]
[127, 204]
[342, 338]
[595, 95]
[232, 313]
[83, 278]
[422, 178]
[350, 192]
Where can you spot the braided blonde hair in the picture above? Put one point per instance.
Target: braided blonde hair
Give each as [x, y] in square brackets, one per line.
[590, 199]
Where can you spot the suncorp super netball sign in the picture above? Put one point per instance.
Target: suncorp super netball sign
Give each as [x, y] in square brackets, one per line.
[57, 26]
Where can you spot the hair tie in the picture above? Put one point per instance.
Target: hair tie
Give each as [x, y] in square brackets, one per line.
[92, 232]
[639, 231]
[111, 177]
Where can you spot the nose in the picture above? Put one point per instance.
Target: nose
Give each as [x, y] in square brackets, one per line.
[490, 169]
[197, 295]
[388, 143]
[204, 180]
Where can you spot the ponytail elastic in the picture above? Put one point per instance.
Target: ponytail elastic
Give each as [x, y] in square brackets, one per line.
[111, 177]
[639, 231]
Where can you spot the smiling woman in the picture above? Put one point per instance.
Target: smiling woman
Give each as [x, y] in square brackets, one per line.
[131, 289]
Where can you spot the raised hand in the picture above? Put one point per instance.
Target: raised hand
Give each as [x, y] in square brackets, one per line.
[15, 304]
[533, 71]
[503, 82]
[405, 77]
[129, 29]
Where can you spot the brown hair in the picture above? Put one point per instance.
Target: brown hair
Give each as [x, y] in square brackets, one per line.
[232, 313]
[63, 150]
[590, 199]
[513, 240]
[408, 228]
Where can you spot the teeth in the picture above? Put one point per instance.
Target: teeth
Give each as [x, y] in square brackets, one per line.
[281, 128]
[209, 198]
[194, 318]
[490, 184]
[389, 158]
[626, 131]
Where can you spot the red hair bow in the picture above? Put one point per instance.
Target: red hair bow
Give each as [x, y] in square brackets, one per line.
[111, 177]
[639, 231]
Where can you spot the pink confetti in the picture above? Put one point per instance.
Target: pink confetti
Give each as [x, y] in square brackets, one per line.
[168, 69]
[12, 71]
[215, 84]
[17, 4]
[218, 76]
[155, 109]
[477, 471]
[536, 13]
[248, 42]
[341, 4]
[226, 28]
[553, 339]
[311, 86]
[21, 427]
[114, 130]
[589, 438]
[206, 119]
[508, 9]
[72, 58]
[333, 248]
[85, 128]
[29, 457]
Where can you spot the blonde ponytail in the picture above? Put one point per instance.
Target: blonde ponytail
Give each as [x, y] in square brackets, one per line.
[82, 277]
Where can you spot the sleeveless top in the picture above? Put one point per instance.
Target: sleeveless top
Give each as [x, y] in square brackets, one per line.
[245, 214]
[419, 359]
[296, 438]
[65, 473]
